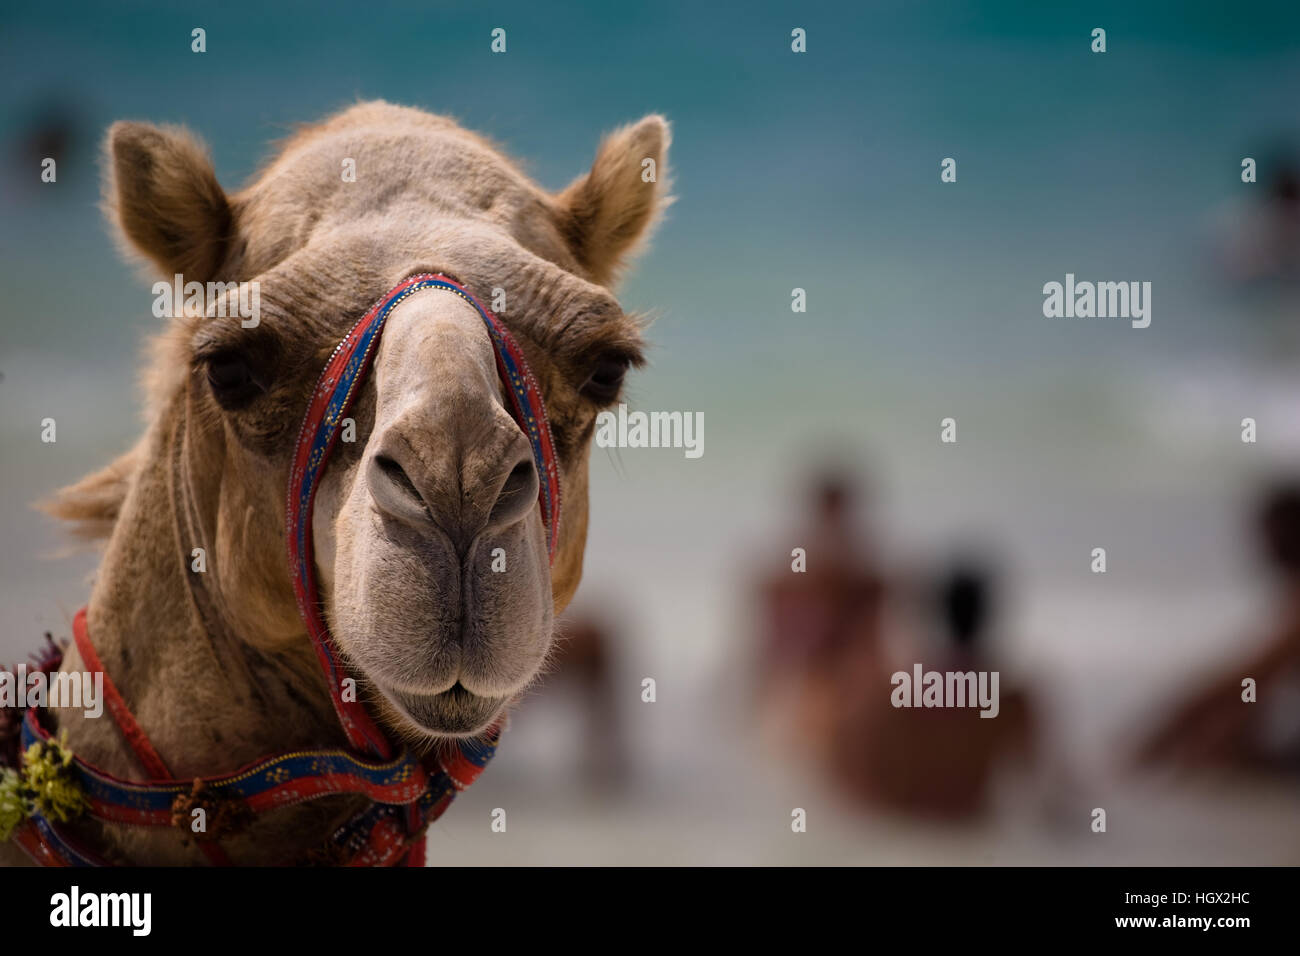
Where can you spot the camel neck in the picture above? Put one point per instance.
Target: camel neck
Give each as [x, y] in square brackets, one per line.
[158, 616]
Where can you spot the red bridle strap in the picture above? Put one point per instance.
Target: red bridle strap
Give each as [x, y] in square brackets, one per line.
[130, 727]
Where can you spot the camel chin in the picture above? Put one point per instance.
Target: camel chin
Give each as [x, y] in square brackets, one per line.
[453, 713]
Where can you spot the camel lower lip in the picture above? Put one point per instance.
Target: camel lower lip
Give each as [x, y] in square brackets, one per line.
[456, 711]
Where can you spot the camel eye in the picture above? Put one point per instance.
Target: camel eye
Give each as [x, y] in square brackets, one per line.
[606, 380]
[232, 380]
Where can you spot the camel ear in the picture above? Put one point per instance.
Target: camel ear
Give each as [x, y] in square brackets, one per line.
[163, 194]
[609, 211]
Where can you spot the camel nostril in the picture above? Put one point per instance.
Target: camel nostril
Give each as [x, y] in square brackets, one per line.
[461, 509]
[520, 477]
[516, 496]
[394, 491]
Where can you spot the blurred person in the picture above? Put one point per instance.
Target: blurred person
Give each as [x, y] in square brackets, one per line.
[49, 128]
[1214, 725]
[933, 761]
[583, 662]
[811, 616]
[1262, 239]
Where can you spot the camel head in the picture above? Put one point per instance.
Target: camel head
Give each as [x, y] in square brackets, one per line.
[429, 543]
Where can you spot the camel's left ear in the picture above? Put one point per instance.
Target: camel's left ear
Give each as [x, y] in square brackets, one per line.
[609, 211]
[162, 193]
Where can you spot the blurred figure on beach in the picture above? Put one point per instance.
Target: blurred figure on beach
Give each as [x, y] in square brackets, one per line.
[827, 600]
[1256, 239]
[934, 762]
[46, 134]
[1261, 238]
[583, 664]
[824, 673]
[1247, 714]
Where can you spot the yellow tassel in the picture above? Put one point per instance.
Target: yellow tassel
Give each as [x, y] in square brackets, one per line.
[51, 787]
[13, 809]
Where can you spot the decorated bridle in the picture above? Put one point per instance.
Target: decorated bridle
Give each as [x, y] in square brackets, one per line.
[406, 793]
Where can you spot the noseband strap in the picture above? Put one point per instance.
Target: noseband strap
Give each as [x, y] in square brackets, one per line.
[332, 398]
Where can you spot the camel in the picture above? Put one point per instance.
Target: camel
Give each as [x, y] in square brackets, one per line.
[409, 518]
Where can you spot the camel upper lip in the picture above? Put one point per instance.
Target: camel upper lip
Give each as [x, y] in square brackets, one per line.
[453, 712]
